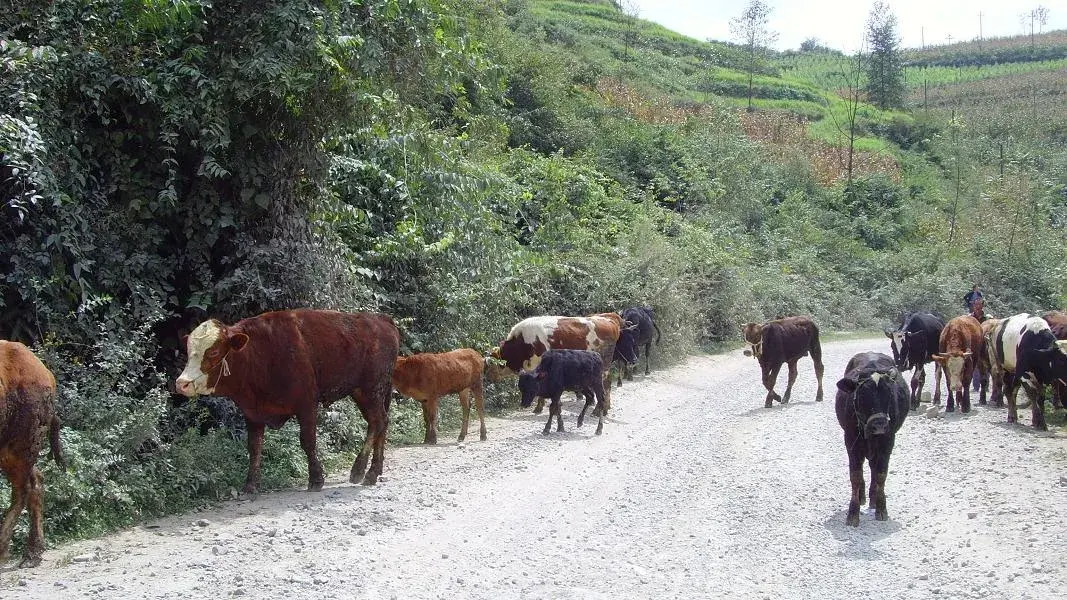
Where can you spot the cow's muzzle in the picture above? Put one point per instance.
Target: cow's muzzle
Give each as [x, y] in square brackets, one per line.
[877, 424]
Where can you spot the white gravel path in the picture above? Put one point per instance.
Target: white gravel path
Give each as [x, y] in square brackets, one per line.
[694, 491]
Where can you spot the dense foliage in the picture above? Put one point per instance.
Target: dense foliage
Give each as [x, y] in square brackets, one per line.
[459, 164]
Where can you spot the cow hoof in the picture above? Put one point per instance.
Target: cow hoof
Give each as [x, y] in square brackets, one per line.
[853, 520]
[30, 562]
[370, 479]
[315, 486]
[546, 432]
[537, 410]
[483, 436]
[250, 489]
[881, 515]
[768, 403]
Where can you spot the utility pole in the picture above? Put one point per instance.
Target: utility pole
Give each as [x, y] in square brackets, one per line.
[979, 31]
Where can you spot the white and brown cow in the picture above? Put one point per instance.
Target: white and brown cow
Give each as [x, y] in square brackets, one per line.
[961, 347]
[530, 338]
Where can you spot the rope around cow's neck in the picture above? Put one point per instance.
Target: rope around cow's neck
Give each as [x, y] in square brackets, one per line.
[222, 373]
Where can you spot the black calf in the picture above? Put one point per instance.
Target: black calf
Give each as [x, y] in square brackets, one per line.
[566, 370]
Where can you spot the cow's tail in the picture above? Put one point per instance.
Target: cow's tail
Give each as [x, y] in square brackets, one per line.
[656, 327]
[814, 345]
[56, 450]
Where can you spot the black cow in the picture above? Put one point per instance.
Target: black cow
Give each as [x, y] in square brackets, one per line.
[871, 404]
[914, 344]
[562, 370]
[782, 341]
[644, 322]
[1027, 353]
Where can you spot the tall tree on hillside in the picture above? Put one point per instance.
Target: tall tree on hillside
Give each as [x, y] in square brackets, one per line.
[885, 68]
[753, 34]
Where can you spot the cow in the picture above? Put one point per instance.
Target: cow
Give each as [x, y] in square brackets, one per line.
[27, 394]
[284, 364]
[566, 370]
[625, 355]
[1028, 353]
[784, 340]
[426, 377]
[644, 321]
[1057, 322]
[530, 338]
[988, 360]
[871, 405]
[961, 346]
[914, 344]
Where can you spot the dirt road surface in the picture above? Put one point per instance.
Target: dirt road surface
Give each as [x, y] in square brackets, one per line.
[694, 491]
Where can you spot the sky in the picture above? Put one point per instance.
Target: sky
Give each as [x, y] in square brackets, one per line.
[840, 23]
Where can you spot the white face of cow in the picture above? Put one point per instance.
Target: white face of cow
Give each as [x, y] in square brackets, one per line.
[193, 381]
[954, 367]
[898, 341]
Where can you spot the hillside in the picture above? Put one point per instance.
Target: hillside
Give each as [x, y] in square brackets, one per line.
[459, 167]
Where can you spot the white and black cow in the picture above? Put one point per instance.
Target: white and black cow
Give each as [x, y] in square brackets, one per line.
[1027, 353]
[914, 344]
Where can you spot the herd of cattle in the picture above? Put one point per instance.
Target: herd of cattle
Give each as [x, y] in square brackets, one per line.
[285, 364]
[873, 399]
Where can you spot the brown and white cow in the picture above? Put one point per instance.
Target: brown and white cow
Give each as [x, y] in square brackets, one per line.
[27, 392]
[284, 364]
[426, 377]
[1057, 322]
[780, 341]
[530, 338]
[961, 346]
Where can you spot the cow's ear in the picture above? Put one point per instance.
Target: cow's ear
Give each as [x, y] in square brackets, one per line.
[888, 333]
[939, 358]
[237, 341]
[846, 385]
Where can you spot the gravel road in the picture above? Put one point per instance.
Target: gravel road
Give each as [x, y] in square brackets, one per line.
[694, 491]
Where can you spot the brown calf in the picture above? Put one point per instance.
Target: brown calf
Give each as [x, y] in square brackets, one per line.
[783, 341]
[427, 377]
[27, 390]
[961, 346]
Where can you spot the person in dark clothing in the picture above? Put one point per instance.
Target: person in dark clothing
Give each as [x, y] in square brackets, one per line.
[971, 297]
[978, 312]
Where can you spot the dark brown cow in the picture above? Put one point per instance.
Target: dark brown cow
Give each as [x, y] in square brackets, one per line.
[784, 340]
[27, 391]
[961, 346]
[1057, 321]
[532, 337]
[427, 377]
[283, 364]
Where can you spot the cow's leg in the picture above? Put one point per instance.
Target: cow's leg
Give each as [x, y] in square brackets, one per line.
[855, 446]
[553, 406]
[31, 556]
[255, 456]
[18, 474]
[769, 379]
[479, 405]
[619, 372]
[1011, 388]
[465, 405]
[938, 374]
[819, 370]
[588, 402]
[789, 382]
[965, 397]
[879, 471]
[539, 406]
[308, 422]
[983, 381]
[599, 395]
[429, 419]
[607, 392]
[648, 354]
[950, 405]
[918, 378]
[1037, 405]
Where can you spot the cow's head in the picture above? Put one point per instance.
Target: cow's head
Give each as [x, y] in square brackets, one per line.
[872, 399]
[753, 334]
[1054, 359]
[519, 354]
[902, 342]
[955, 364]
[529, 385]
[208, 347]
[626, 347]
[496, 369]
